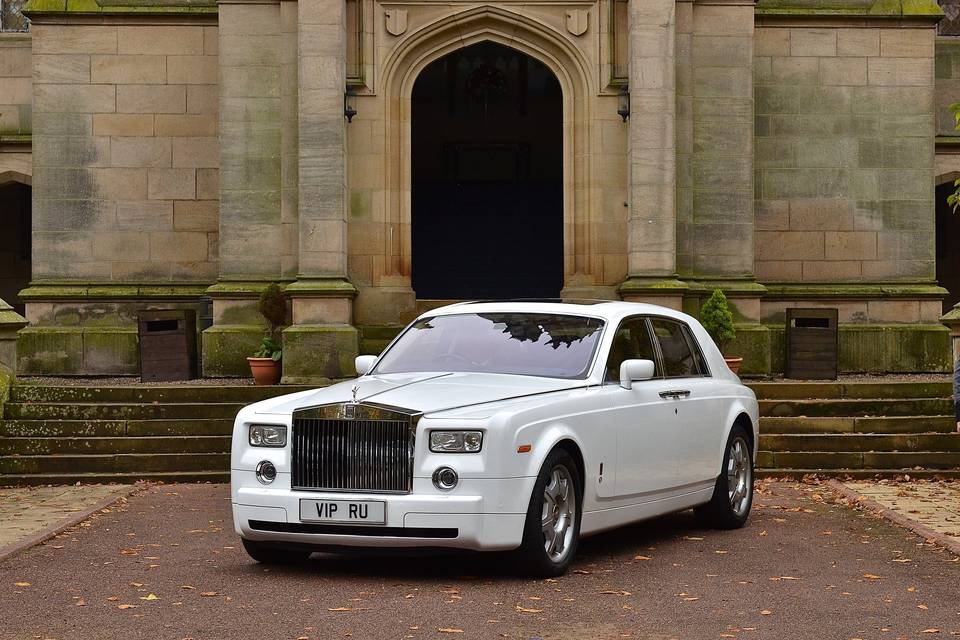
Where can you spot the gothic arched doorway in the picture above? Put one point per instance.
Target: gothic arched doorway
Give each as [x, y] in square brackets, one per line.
[487, 176]
[14, 241]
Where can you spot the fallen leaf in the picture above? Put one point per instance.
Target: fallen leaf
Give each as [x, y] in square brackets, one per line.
[582, 571]
[126, 606]
[692, 538]
[113, 598]
[691, 599]
[615, 593]
[339, 608]
[931, 630]
[136, 584]
[766, 612]
[871, 576]
[526, 610]
[923, 607]
[80, 603]
[187, 586]
[448, 630]
[641, 557]
[150, 596]
[207, 594]
[22, 584]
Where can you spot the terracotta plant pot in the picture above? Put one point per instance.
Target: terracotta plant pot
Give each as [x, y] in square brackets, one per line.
[266, 371]
[733, 363]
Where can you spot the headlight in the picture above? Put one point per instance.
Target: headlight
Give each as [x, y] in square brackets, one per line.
[456, 441]
[268, 435]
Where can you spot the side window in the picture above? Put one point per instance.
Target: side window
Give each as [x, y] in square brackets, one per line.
[678, 360]
[697, 352]
[632, 341]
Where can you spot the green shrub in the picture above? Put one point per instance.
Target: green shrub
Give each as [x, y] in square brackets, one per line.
[272, 305]
[717, 319]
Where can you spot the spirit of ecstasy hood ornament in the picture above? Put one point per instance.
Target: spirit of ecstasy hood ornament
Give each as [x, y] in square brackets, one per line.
[354, 392]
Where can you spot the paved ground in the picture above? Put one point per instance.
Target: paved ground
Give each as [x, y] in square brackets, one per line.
[934, 504]
[166, 564]
[27, 511]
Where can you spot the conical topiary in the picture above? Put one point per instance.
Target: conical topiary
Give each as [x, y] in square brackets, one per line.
[717, 319]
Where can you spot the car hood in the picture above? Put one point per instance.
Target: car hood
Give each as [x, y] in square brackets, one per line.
[422, 392]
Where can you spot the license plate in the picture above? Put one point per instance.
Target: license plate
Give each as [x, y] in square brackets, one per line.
[344, 511]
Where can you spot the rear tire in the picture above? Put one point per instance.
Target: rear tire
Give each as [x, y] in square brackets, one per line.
[733, 493]
[267, 553]
[552, 528]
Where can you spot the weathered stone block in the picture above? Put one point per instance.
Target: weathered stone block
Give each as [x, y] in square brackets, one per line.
[843, 71]
[186, 125]
[313, 352]
[178, 246]
[140, 152]
[61, 69]
[74, 98]
[151, 99]
[790, 245]
[831, 270]
[771, 41]
[123, 124]
[123, 69]
[821, 214]
[202, 99]
[851, 245]
[907, 43]
[793, 71]
[172, 184]
[121, 184]
[226, 348]
[813, 42]
[161, 40]
[196, 152]
[900, 71]
[88, 39]
[145, 215]
[858, 42]
[120, 246]
[192, 70]
[199, 215]
[208, 184]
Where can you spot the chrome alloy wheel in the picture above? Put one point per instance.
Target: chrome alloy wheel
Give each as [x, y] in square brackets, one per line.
[739, 473]
[559, 513]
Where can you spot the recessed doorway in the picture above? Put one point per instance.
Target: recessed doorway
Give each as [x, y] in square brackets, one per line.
[487, 177]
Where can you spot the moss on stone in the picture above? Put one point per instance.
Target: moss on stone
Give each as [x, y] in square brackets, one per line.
[225, 350]
[321, 288]
[753, 345]
[319, 352]
[38, 8]
[6, 380]
[110, 291]
[880, 9]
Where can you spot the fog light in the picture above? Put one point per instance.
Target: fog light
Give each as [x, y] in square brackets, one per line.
[445, 478]
[266, 472]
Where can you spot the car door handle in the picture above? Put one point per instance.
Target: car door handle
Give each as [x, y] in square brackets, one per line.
[675, 393]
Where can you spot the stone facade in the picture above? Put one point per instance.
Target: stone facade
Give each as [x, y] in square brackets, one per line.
[784, 153]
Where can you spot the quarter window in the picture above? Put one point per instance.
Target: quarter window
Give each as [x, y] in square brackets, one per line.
[678, 359]
[632, 341]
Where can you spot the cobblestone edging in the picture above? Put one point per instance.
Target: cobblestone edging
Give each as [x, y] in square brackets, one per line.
[49, 512]
[872, 504]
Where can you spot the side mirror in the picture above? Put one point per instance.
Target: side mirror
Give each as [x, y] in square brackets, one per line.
[635, 370]
[363, 364]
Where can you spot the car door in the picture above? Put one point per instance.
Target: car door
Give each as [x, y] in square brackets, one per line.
[645, 421]
[699, 412]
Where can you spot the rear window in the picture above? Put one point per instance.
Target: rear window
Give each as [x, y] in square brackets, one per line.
[678, 358]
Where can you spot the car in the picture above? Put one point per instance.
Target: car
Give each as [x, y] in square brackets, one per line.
[498, 426]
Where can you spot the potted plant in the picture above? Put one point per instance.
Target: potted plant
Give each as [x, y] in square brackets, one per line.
[717, 319]
[265, 363]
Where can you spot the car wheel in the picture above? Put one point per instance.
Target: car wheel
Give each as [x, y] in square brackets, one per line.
[733, 493]
[552, 528]
[273, 554]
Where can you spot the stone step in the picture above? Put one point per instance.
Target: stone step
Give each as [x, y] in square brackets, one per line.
[69, 445]
[68, 464]
[858, 407]
[858, 459]
[120, 411]
[103, 428]
[864, 424]
[846, 442]
[850, 390]
[169, 477]
[140, 394]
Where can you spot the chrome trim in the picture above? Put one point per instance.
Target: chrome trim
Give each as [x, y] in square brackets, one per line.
[358, 456]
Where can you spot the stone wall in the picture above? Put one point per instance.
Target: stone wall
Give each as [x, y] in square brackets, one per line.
[15, 84]
[947, 83]
[844, 154]
[125, 153]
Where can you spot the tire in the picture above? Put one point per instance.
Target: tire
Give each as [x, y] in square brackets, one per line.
[267, 553]
[557, 503]
[729, 509]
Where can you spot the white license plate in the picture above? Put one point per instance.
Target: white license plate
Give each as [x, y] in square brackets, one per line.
[345, 511]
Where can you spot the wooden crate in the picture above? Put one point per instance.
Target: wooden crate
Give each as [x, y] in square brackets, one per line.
[168, 344]
[812, 344]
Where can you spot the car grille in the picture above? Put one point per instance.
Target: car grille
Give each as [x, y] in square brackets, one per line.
[358, 448]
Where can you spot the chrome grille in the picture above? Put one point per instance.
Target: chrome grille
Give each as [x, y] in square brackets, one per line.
[372, 451]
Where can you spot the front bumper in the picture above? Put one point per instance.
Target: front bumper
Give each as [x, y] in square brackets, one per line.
[480, 515]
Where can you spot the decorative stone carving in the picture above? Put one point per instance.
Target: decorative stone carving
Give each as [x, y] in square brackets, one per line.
[577, 20]
[396, 21]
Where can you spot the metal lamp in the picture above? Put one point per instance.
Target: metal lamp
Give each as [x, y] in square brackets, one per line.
[623, 105]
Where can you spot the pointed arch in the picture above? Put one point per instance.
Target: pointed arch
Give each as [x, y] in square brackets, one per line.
[512, 29]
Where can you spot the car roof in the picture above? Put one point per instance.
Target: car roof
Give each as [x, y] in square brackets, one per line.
[605, 309]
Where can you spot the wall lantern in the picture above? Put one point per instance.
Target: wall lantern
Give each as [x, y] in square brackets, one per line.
[623, 106]
[349, 108]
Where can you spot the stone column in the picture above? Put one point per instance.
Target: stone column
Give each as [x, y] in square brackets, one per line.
[251, 234]
[10, 323]
[651, 156]
[321, 343]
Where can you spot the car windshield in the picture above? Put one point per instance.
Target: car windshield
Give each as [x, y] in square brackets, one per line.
[534, 344]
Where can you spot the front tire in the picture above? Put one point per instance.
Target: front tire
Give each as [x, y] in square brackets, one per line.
[552, 528]
[733, 493]
[267, 553]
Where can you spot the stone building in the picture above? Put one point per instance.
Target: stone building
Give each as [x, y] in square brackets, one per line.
[171, 153]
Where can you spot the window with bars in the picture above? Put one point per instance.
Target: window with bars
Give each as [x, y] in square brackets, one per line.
[11, 16]
[950, 25]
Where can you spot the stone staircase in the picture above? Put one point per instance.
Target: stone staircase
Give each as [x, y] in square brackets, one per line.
[174, 433]
[181, 433]
[857, 429]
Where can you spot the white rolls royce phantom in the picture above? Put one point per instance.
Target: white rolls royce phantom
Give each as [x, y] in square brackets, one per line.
[498, 426]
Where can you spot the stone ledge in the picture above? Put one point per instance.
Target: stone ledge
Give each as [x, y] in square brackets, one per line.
[914, 10]
[40, 8]
[41, 292]
[321, 288]
[853, 290]
[239, 289]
